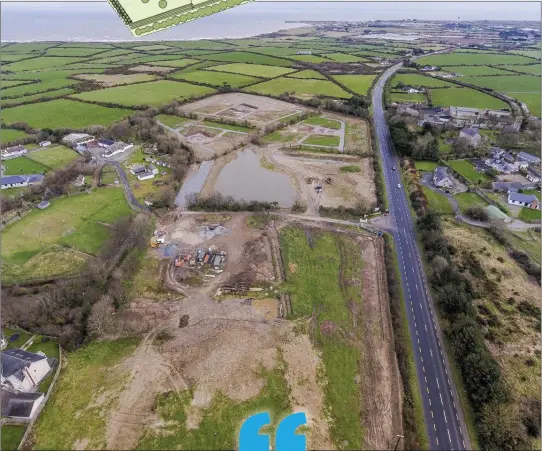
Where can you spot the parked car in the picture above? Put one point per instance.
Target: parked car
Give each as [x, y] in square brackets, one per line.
[398, 185]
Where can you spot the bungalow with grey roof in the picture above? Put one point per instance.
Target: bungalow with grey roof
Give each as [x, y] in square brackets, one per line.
[13, 152]
[23, 370]
[531, 159]
[533, 175]
[524, 200]
[441, 178]
[19, 406]
[471, 135]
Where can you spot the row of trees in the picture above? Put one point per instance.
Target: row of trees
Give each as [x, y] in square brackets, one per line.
[218, 202]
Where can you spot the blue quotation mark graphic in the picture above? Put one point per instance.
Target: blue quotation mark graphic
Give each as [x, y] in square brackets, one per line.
[286, 439]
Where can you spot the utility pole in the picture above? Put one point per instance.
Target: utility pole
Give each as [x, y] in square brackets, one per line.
[399, 437]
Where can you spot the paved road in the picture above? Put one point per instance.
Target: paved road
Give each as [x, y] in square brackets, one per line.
[443, 417]
[127, 188]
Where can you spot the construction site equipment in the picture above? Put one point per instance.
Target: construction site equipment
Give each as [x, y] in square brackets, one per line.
[154, 242]
[179, 261]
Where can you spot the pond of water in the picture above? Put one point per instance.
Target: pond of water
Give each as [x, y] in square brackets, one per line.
[193, 183]
[244, 178]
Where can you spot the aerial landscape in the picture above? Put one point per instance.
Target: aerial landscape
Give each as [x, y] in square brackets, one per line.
[340, 218]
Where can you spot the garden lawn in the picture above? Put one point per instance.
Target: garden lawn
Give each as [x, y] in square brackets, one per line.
[91, 367]
[23, 337]
[465, 97]
[154, 93]
[54, 157]
[23, 165]
[8, 135]
[360, 84]
[529, 215]
[171, 121]
[427, 166]
[405, 97]
[299, 88]
[64, 113]
[418, 80]
[216, 78]
[467, 170]
[49, 348]
[323, 122]
[471, 59]
[11, 436]
[77, 217]
[254, 70]
[466, 200]
[314, 279]
[438, 202]
[322, 140]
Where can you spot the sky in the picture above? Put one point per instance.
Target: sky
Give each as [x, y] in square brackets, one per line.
[494, 10]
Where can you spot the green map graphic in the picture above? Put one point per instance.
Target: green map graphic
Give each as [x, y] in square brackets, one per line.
[147, 16]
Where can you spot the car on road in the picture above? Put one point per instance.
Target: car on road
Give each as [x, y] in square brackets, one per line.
[398, 185]
[393, 168]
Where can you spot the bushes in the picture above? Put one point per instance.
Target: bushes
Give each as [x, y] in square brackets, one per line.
[477, 213]
[218, 202]
[298, 207]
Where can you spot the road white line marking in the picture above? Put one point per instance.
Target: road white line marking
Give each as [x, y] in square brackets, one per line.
[463, 443]
[445, 419]
[432, 416]
[436, 438]
[457, 416]
[423, 368]
[441, 401]
[449, 436]
[429, 401]
[425, 325]
[431, 352]
[453, 402]
[416, 332]
[421, 358]
[435, 427]
[438, 384]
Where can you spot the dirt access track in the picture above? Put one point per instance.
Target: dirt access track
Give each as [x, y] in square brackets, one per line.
[212, 345]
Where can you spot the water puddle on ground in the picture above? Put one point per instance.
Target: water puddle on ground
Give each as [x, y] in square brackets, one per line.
[193, 183]
[244, 178]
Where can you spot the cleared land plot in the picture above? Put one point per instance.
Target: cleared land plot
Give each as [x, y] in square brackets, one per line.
[63, 114]
[115, 80]
[322, 140]
[476, 70]
[472, 59]
[360, 84]
[254, 70]
[171, 121]
[241, 106]
[8, 135]
[154, 93]
[54, 157]
[74, 221]
[307, 74]
[467, 170]
[300, 87]
[438, 202]
[243, 57]
[405, 97]
[151, 69]
[465, 97]
[323, 122]
[173, 63]
[356, 137]
[215, 78]
[23, 165]
[419, 80]
[237, 128]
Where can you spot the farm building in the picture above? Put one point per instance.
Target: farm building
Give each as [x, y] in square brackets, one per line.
[74, 139]
[13, 152]
[495, 214]
[524, 200]
[441, 178]
[146, 175]
[45, 143]
[105, 143]
[23, 370]
[137, 169]
[531, 159]
[20, 406]
[116, 148]
[18, 181]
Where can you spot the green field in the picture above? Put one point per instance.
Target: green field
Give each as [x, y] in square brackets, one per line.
[322, 140]
[11, 436]
[45, 80]
[63, 113]
[465, 97]
[307, 74]
[415, 80]
[42, 97]
[215, 78]
[8, 135]
[508, 83]
[152, 47]
[437, 201]
[299, 87]
[54, 157]
[91, 367]
[73, 51]
[173, 63]
[76, 217]
[427, 166]
[529, 215]
[467, 170]
[532, 101]
[237, 128]
[466, 200]
[251, 58]
[171, 121]
[476, 70]
[154, 93]
[39, 63]
[254, 70]
[344, 58]
[530, 53]
[360, 84]
[472, 59]
[324, 281]
[310, 58]
[323, 122]
[23, 165]
[528, 69]
[405, 97]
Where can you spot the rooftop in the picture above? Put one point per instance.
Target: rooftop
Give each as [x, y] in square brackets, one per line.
[18, 404]
[14, 360]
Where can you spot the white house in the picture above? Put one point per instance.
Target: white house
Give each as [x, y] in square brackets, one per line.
[20, 406]
[524, 200]
[23, 370]
[528, 158]
[145, 176]
[45, 143]
[13, 152]
[533, 176]
[137, 169]
[441, 178]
